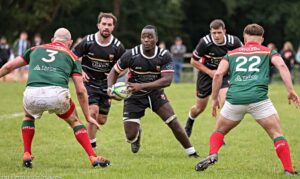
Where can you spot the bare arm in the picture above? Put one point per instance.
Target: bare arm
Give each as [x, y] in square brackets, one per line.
[202, 67]
[83, 99]
[164, 81]
[216, 84]
[112, 77]
[278, 62]
[12, 65]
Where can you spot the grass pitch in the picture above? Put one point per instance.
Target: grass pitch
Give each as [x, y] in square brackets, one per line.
[249, 152]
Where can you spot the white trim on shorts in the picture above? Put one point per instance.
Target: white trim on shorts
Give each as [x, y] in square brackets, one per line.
[258, 110]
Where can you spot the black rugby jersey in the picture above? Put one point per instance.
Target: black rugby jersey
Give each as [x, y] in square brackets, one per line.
[143, 69]
[98, 59]
[210, 53]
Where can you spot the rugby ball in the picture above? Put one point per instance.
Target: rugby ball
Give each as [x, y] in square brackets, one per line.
[120, 90]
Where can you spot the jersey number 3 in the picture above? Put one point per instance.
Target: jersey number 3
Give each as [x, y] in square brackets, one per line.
[51, 54]
[242, 61]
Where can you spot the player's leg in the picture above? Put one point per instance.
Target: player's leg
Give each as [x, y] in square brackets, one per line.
[195, 111]
[166, 113]
[230, 116]
[91, 128]
[81, 134]
[31, 112]
[104, 106]
[134, 110]
[203, 89]
[28, 130]
[266, 115]
[133, 133]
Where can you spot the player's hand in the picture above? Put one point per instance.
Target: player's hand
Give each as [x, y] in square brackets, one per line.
[214, 106]
[112, 96]
[293, 97]
[212, 73]
[93, 121]
[134, 87]
[85, 77]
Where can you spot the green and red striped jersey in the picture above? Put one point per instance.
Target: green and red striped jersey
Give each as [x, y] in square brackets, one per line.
[51, 65]
[249, 68]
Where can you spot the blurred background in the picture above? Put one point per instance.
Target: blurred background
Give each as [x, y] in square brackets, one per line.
[174, 18]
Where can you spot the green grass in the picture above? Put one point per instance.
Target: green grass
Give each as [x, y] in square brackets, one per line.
[249, 152]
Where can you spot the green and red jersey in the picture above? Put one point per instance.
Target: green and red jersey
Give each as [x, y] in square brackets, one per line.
[249, 68]
[51, 65]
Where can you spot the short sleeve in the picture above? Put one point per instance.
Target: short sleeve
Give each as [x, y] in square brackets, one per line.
[26, 55]
[123, 62]
[167, 63]
[274, 53]
[226, 57]
[76, 68]
[199, 50]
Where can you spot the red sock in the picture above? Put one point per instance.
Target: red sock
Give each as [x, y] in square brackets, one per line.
[83, 138]
[216, 142]
[283, 152]
[27, 134]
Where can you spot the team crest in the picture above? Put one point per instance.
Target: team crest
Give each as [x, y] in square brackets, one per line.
[111, 57]
[158, 68]
[162, 96]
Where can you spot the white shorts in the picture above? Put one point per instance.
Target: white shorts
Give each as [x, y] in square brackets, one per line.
[54, 99]
[258, 110]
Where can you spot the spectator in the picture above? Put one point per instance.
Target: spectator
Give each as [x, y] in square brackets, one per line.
[19, 47]
[178, 50]
[5, 51]
[162, 45]
[37, 40]
[288, 56]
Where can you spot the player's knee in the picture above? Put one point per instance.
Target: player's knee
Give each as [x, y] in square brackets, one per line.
[132, 136]
[102, 120]
[171, 119]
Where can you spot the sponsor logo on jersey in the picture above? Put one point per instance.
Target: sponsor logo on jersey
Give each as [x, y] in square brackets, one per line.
[158, 68]
[44, 68]
[111, 57]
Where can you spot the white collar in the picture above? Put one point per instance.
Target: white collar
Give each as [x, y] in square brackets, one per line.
[225, 40]
[103, 45]
[155, 53]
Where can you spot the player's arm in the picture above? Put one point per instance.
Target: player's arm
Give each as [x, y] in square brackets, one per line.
[198, 55]
[11, 65]
[164, 81]
[216, 84]
[278, 62]
[201, 67]
[83, 98]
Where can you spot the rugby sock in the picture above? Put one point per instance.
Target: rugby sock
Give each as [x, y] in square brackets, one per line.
[83, 138]
[283, 152]
[190, 150]
[216, 142]
[27, 134]
[93, 143]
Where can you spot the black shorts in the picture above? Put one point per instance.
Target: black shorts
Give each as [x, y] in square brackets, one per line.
[99, 98]
[204, 85]
[134, 106]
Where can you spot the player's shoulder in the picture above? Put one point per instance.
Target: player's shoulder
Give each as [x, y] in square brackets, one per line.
[88, 40]
[117, 43]
[233, 41]
[164, 53]
[206, 40]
